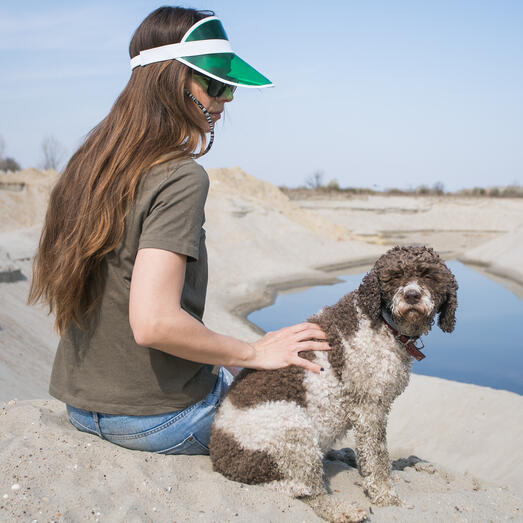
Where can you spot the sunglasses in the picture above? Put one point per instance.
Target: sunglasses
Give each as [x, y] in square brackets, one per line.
[213, 87]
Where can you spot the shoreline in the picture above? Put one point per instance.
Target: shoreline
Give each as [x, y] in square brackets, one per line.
[503, 277]
[273, 289]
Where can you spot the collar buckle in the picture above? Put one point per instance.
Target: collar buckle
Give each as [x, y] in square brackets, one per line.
[409, 342]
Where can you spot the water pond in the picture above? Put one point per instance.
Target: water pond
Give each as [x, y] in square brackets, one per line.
[486, 348]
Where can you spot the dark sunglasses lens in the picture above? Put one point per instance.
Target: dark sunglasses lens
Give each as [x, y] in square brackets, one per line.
[214, 87]
[217, 88]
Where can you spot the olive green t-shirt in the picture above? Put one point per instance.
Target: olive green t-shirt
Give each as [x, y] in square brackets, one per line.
[100, 367]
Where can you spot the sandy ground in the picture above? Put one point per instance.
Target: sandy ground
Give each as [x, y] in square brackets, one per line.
[468, 464]
[449, 224]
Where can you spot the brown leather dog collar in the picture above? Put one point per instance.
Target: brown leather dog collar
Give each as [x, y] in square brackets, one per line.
[407, 341]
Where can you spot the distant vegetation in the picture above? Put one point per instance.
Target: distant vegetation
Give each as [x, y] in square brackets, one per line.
[315, 187]
[53, 154]
[7, 163]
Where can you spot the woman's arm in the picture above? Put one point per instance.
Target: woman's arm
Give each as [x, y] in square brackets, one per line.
[157, 320]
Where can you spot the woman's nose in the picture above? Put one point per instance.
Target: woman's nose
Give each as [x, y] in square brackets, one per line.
[229, 97]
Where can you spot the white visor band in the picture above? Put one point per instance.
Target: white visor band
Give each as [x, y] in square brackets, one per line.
[179, 50]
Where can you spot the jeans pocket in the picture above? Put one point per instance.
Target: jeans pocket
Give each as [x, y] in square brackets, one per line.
[82, 420]
[82, 428]
[183, 432]
[189, 446]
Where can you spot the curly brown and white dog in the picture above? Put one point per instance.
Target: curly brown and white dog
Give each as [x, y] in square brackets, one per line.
[274, 427]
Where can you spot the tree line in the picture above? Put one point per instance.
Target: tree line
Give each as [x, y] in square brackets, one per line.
[316, 185]
[52, 155]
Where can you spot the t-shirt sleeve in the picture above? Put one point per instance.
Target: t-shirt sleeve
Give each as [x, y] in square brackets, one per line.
[176, 214]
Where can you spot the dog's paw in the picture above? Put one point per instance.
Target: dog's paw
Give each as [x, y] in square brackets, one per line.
[349, 513]
[388, 499]
[336, 511]
[382, 494]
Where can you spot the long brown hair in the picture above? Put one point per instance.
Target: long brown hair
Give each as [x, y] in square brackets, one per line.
[150, 122]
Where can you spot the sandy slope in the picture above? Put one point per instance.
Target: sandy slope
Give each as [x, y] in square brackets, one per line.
[23, 197]
[502, 256]
[450, 224]
[257, 241]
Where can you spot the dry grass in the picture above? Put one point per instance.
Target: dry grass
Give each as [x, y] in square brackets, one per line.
[334, 191]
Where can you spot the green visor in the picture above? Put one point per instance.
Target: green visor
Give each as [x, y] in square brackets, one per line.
[206, 49]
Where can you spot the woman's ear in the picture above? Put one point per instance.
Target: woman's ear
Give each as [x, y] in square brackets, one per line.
[369, 295]
[447, 311]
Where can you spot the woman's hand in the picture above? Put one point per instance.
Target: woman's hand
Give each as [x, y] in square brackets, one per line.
[280, 348]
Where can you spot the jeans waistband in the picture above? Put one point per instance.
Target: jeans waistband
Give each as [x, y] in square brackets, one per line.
[220, 387]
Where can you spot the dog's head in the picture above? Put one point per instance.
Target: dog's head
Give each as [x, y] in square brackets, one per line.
[413, 284]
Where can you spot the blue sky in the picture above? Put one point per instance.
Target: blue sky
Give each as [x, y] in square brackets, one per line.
[374, 93]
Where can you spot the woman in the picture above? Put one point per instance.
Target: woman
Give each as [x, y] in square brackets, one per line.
[122, 259]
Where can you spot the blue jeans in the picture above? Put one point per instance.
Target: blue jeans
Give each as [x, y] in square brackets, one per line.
[182, 432]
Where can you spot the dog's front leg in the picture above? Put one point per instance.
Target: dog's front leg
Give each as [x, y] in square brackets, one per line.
[370, 426]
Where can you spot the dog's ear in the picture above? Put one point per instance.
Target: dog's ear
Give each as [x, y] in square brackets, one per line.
[369, 295]
[447, 311]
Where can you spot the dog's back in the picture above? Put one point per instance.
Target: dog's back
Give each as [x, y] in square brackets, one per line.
[269, 428]
[252, 414]
[268, 415]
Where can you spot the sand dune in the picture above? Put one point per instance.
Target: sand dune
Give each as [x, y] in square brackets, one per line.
[466, 438]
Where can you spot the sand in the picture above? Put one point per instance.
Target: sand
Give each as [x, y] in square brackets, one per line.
[450, 224]
[468, 464]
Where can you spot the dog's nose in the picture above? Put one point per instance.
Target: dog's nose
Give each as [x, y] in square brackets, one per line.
[412, 296]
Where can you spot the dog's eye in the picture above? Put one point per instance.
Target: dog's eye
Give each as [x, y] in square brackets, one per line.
[429, 274]
[392, 276]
